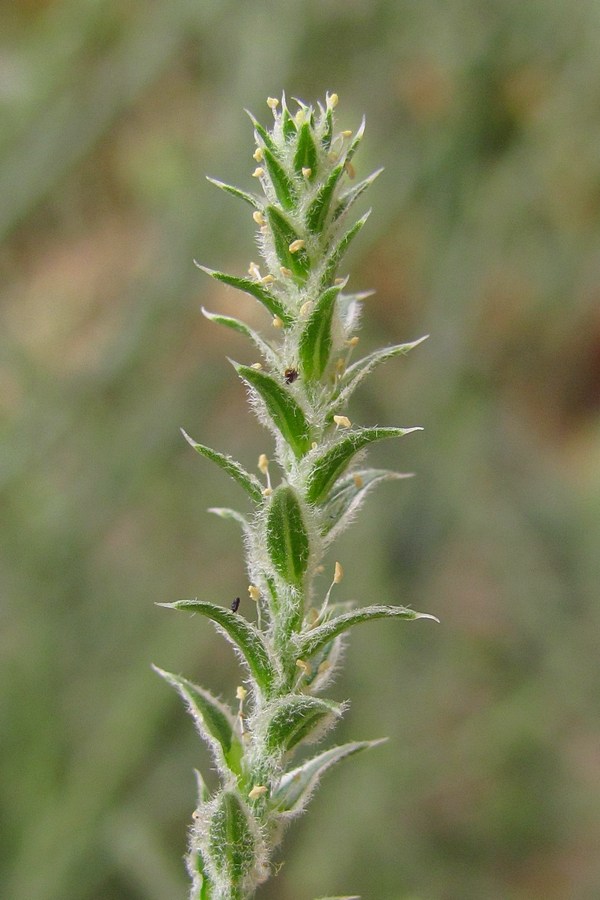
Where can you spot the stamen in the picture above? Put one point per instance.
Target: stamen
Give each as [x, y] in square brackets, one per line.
[332, 101]
[338, 574]
[272, 102]
[258, 172]
[296, 245]
[258, 154]
[268, 279]
[277, 322]
[254, 271]
[350, 170]
[257, 366]
[258, 217]
[307, 172]
[241, 693]
[263, 465]
[287, 273]
[306, 308]
[254, 592]
[358, 481]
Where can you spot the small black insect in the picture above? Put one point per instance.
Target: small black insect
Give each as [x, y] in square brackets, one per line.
[290, 376]
[235, 605]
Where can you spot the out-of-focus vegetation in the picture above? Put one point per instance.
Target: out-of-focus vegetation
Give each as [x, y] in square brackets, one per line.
[486, 233]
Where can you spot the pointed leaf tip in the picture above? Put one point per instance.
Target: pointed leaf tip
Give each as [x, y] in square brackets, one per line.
[248, 482]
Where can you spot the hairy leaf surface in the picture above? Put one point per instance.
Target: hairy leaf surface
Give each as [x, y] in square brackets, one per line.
[241, 633]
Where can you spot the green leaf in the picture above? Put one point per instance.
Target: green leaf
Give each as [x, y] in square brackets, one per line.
[282, 184]
[339, 250]
[287, 416]
[352, 195]
[250, 483]
[242, 328]
[214, 722]
[297, 718]
[232, 843]
[328, 130]
[262, 132]
[287, 537]
[306, 152]
[355, 373]
[284, 234]
[255, 289]
[241, 633]
[329, 465]
[318, 209]
[296, 787]
[288, 126]
[355, 140]
[236, 192]
[348, 494]
[314, 344]
[313, 640]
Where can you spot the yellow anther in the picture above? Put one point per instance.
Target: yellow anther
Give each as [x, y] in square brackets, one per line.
[241, 693]
[259, 790]
[267, 492]
[296, 245]
[314, 445]
[306, 308]
[337, 281]
[353, 341]
[268, 279]
[258, 217]
[307, 172]
[338, 573]
[351, 171]
[300, 117]
[342, 421]
[304, 667]
[258, 154]
[358, 482]
[253, 270]
[287, 273]
[254, 592]
[257, 366]
[263, 463]
[258, 172]
[277, 322]
[272, 102]
[332, 101]
[340, 366]
[346, 134]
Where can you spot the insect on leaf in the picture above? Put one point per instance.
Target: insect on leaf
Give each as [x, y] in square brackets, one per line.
[285, 413]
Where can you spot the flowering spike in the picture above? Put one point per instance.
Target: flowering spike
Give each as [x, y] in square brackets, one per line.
[299, 388]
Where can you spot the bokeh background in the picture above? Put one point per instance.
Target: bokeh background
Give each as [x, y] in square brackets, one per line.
[485, 234]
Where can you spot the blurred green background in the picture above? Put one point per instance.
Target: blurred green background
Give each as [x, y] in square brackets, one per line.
[485, 234]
